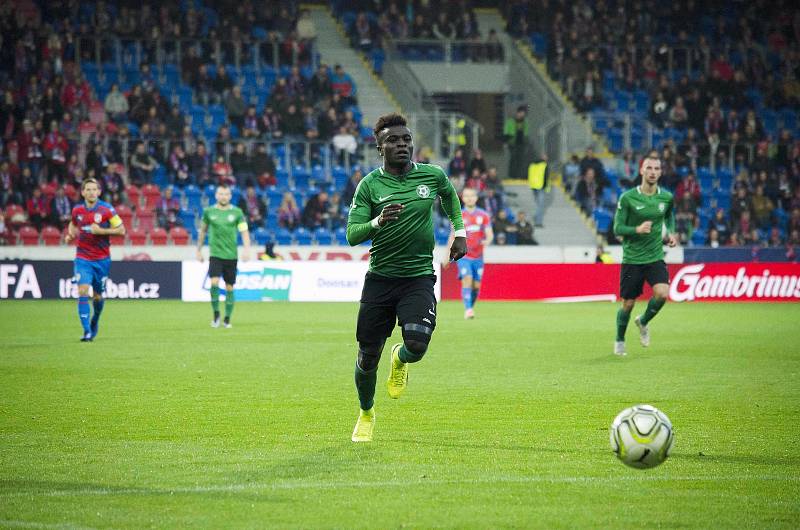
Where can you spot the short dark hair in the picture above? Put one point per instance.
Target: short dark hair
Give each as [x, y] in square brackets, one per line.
[388, 120]
[89, 181]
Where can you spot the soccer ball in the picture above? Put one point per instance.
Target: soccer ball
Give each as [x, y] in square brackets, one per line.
[641, 436]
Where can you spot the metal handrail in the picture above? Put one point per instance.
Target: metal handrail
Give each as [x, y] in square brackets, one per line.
[171, 50]
[445, 45]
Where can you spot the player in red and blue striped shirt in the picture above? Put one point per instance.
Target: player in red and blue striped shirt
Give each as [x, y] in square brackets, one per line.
[478, 224]
[91, 225]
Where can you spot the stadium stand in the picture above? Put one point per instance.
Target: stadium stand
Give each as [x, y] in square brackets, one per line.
[713, 91]
[242, 96]
[82, 89]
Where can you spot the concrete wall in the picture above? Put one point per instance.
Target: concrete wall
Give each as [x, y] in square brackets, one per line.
[462, 77]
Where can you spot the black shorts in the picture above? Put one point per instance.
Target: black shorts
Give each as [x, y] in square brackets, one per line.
[223, 267]
[385, 301]
[632, 278]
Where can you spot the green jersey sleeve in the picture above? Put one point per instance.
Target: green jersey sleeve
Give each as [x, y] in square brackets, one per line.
[621, 228]
[359, 219]
[669, 216]
[241, 222]
[205, 217]
[450, 202]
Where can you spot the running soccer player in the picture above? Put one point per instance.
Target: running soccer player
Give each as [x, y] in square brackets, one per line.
[478, 224]
[91, 225]
[393, 206]
[641, 213]
[222, 221]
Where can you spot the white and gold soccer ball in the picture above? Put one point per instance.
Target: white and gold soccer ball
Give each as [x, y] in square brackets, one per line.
[642, 436]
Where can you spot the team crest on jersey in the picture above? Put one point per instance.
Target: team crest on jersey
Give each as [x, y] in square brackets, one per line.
[661, 206]
[80, 218]
[423, 191]
[98, 218]
[230, 218]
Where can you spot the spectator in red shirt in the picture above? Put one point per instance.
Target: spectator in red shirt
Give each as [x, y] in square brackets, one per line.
[38, 209]
[223, 171]
[691, 186]
[723, 68]
[55, 150]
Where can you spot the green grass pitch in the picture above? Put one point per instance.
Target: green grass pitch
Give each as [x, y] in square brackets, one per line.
[164, 422]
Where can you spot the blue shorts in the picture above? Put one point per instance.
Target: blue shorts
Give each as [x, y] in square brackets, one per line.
[470, 267]
[93, 273]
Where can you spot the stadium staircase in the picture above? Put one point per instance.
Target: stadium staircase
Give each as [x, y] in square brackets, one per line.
[334, 48]
[564, 223]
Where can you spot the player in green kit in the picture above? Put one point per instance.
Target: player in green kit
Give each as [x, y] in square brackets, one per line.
[393, 206]
[223, 221]
[641, 214]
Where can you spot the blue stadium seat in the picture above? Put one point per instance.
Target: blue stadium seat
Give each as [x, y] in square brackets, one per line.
[442, 235]
[282, 176]
[789, 118]
[322, 236]
[262, 235]
[188, 218]
[641, 101]
[340, 236]
[615, 138]
[318, 174]
[699, 237]
[300, 176]
[602, 219]
[539, 44]
[194, 198]
[302, 236]
[274, 196]
[283, 237]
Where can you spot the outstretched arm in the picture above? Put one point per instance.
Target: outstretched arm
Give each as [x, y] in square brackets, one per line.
[452, 207]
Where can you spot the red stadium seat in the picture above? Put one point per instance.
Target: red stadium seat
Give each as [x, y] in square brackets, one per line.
[137, 236]
[16, 216]
[28, 235]
[117, 240]
[71, 192]
[151, 195]
[48, 189]
[126, 214]
[179, 235]
[51, 236]
[134, 195]
[64, 235]
[145, 219]
[158, 236]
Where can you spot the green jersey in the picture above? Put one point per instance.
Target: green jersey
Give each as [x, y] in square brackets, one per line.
[633, 209]
[403, 248]
[223, 226]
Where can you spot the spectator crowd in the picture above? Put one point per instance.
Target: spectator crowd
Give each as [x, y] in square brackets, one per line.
[58, 128]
